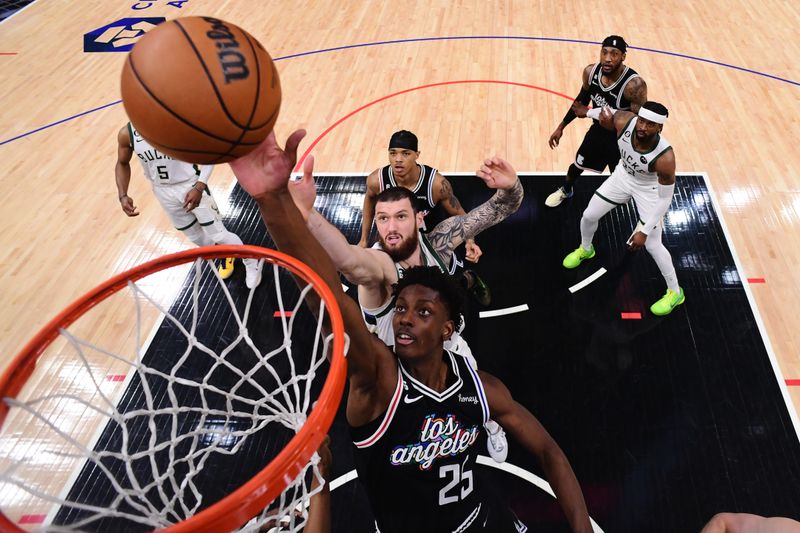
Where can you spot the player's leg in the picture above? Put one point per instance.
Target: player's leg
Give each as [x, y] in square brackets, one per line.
[645, 198]
[171, 199]
[595, 152]
[209, 218]
[612, 193]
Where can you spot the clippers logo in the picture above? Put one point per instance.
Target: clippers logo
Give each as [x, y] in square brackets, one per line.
[438, 437]
[119, 36]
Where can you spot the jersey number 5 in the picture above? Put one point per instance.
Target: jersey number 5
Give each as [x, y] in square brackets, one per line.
[459, 477]
[162, 172]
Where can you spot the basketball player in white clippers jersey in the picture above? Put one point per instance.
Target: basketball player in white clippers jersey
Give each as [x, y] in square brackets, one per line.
[646, 173]
[402, 246]
[414, 412]
[182, 190]
[609, 82]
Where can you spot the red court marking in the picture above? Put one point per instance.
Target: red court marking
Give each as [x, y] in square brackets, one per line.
[115, 377]
[756, 280]
[32, 519]
[287, 314]
[299, 164]
[8, 53]
[631, 316]
[793, 382]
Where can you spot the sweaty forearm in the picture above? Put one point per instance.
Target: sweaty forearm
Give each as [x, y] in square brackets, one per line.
[341, 252]
[495, 210]
[288, 229]
[660, 209]
[583, 97]
[122, 176]
[453, 231]
[567, 490]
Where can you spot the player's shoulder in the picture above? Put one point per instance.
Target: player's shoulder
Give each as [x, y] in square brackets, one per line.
[124, 134]
[373, 179]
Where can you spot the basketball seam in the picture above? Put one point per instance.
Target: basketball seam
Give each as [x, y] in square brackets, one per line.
[255, 100]
[173, 113]
[211, 80]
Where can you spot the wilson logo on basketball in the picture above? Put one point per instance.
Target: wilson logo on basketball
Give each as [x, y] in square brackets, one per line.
[232, 61]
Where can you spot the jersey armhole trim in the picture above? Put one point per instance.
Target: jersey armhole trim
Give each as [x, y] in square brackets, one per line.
[387, 417]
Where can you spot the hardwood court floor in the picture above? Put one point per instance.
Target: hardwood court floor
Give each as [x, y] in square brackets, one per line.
[732, 89]
[665, 420]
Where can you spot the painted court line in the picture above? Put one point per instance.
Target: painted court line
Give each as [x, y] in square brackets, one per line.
[531, 478]
[782, 382]
[578, 286]
[793, 382]
[756, 280]
[504, 311]
[32, 519]
[631, 316]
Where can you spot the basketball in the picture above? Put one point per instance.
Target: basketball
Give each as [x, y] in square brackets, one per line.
[201, 90]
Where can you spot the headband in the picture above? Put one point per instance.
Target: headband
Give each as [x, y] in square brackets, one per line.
[652, 116]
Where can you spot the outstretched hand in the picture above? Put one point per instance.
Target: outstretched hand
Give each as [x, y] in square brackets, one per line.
[303, 189]
[497, 173]
[267, 168]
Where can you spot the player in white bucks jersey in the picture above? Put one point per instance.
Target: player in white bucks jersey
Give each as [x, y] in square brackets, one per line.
[182, 190]
[434, 197]
[417, 465]
[607, 83]
[646, 173]
[401, 246]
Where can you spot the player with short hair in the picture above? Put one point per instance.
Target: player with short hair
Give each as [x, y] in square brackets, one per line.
[402, 245]
[415, 412]
[182, 190]
[646, 173]
[430, 189]
[611, 83]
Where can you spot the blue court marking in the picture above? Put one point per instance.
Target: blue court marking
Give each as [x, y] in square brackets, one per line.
[453, 38]
[60, 122]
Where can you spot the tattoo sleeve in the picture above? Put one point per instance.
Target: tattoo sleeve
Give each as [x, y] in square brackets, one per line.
[636, 93]
[452, 205]
[447, 235]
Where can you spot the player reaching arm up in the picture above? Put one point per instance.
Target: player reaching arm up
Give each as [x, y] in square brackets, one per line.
[425, 476]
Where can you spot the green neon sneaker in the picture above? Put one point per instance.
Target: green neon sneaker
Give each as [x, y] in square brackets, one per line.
[577, 257]
[668, 302]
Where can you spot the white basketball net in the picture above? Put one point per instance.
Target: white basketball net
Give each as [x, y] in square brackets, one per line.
[185, 423]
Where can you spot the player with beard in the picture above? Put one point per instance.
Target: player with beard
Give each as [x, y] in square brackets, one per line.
[433, 195]
[646, 173]
[607, 83]
[415, 412]
[401, 246]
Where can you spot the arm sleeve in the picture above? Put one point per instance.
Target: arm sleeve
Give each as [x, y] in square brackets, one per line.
[583, 97]
[665, 193]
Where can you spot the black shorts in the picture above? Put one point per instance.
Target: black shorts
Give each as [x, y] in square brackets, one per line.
[598, 150]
